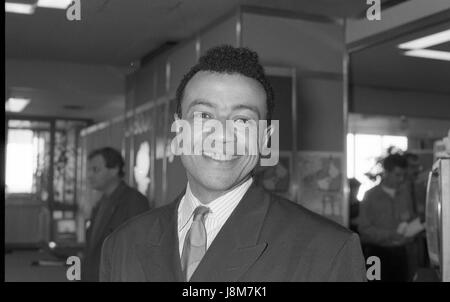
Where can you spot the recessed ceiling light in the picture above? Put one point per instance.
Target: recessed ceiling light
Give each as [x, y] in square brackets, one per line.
[427, 41]
[59, 4]
[16, 104]
[429, 54]
[419, 47]
[19, 8]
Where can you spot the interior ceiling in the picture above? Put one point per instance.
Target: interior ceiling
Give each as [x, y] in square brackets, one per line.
[113, 33]
[74, 68]
[385, 66]
[117, 32]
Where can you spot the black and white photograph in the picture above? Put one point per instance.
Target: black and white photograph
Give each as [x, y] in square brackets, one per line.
[222, 146]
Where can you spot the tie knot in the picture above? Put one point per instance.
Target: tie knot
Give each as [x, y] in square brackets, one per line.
[200, 212]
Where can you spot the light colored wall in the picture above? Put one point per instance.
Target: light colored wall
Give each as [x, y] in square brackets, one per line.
[296, 43]
[180, 61]
[163, 73]
[316, 51]
[320, 115]
[370, 100]
[150, 81]
[223, 33]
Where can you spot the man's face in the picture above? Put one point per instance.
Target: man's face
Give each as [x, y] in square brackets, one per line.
[221, 97]
[395, 177]
[99, 176]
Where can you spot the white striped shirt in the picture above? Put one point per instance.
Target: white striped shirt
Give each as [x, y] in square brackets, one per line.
[220, 210]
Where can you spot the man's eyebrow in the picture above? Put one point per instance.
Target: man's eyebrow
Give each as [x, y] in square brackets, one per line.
[203, 102]
[200, 102]
[248, 107]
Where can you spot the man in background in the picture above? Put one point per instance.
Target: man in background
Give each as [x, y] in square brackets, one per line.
[223, 226]
[413, 191]
[414, 186]
[383, 220]
[118, 203]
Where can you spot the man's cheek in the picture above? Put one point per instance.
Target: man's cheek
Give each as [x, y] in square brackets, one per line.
[246, 141]
[197, 142]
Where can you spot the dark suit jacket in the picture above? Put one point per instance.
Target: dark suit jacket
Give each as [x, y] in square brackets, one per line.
[266, 238]
[123, 204]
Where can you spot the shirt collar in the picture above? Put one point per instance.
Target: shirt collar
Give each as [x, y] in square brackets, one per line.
[189, 202]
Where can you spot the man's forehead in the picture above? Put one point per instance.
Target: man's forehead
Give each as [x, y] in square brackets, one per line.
[201, 77]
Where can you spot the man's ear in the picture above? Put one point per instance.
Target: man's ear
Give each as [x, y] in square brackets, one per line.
[176, 119]
[115, 171]
[268, 133]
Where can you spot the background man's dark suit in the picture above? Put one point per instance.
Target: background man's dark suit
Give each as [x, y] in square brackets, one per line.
[109, 213]
[266, 238]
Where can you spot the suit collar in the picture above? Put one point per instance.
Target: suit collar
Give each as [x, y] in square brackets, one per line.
[222, 206]
[108, 209]
[235, 248]
[159, 255]
[237, 245]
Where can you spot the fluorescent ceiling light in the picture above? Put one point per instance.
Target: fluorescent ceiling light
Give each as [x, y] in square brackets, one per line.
[60, 4]
[428, 41]
[19, 8]
[429, 54]
[16, 104]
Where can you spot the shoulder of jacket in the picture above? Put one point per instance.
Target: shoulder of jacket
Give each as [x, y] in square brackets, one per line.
[303, 219]
[139, 225]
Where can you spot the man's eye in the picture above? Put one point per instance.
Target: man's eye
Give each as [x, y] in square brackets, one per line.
[241, 120]
[203, 115]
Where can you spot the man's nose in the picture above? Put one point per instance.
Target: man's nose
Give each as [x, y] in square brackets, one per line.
[223, 133]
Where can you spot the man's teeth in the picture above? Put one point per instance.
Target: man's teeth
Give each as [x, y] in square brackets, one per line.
[218, 156]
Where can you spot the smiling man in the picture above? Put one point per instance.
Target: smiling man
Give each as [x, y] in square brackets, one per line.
[224, 227]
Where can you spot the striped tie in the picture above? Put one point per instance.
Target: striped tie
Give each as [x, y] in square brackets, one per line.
[195, 243]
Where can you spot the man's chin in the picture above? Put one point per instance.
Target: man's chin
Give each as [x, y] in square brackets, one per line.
[217, 182]
[217, 185]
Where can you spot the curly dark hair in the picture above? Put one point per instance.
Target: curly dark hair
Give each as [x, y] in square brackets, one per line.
[228, 59]
[112, 157]
[394, 160]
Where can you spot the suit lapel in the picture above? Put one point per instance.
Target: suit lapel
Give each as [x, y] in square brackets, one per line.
[236, 246]
[159, 255]
[109, 210]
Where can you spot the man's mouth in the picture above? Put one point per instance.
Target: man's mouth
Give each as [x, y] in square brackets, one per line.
[219, 156]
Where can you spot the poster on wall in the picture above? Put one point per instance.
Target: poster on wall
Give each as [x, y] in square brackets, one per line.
[320, 183]
[277, 179]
